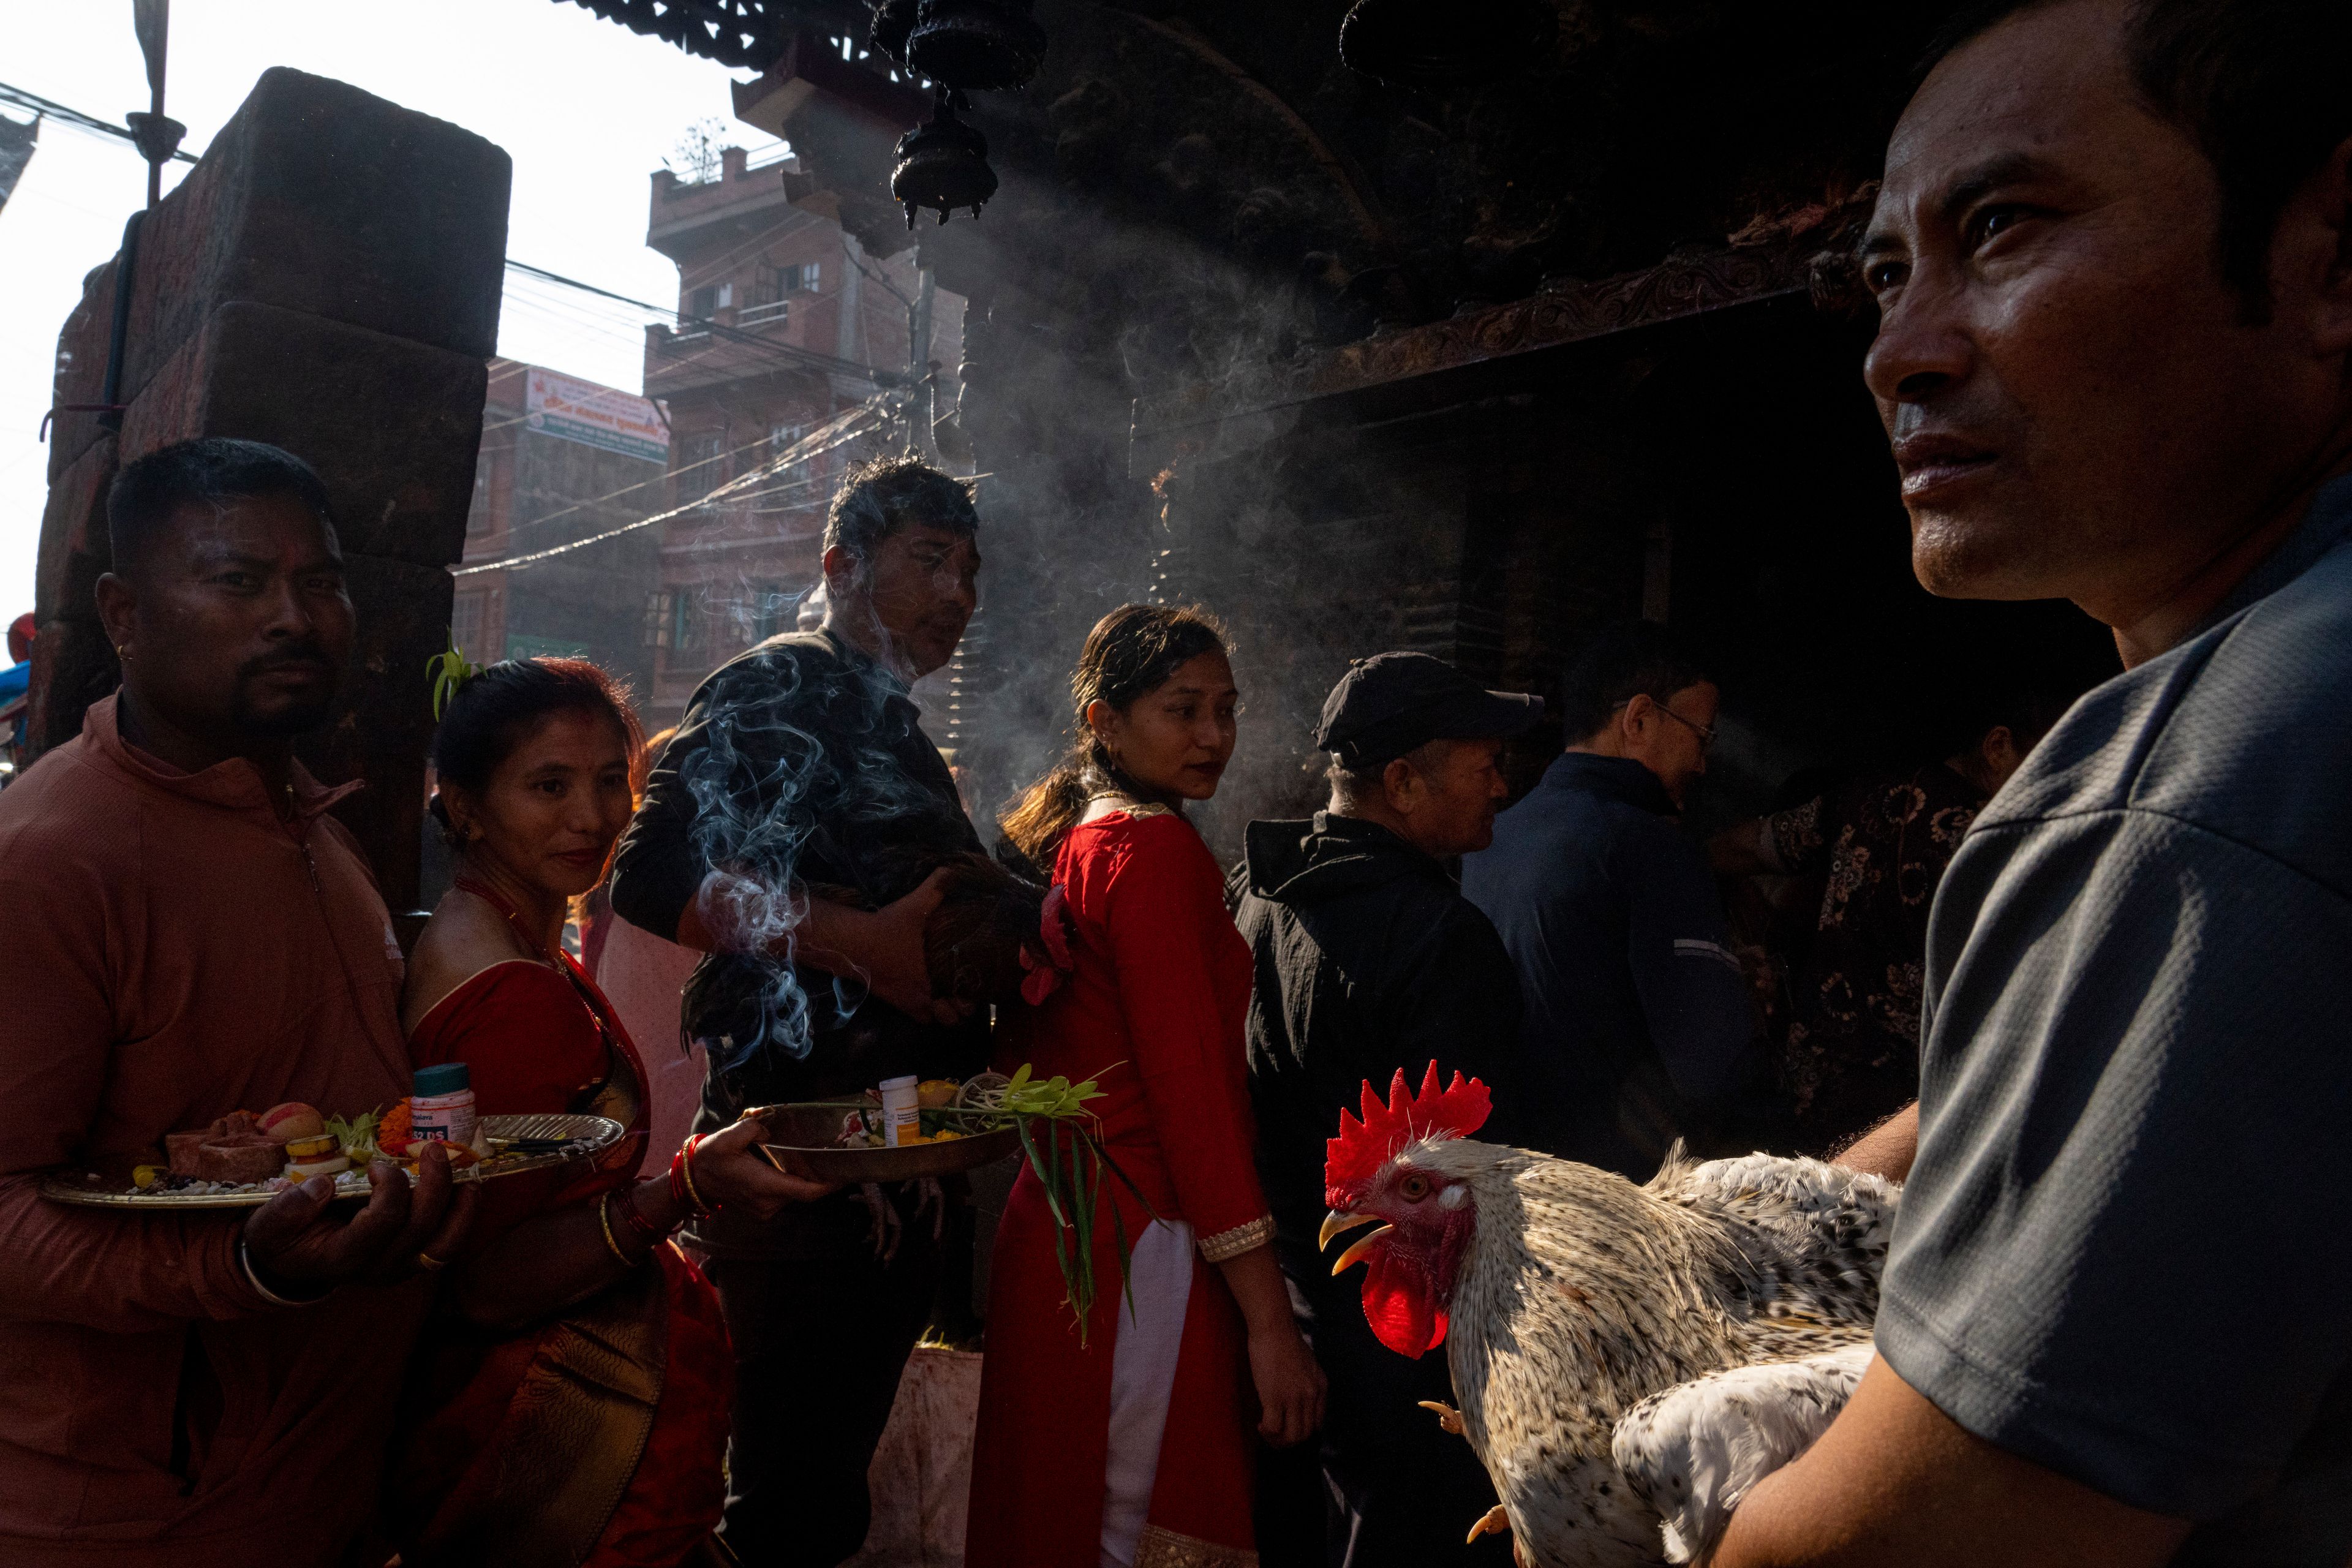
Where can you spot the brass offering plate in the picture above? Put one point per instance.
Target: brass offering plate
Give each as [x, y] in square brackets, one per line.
[107, 1184]
[806, 1147]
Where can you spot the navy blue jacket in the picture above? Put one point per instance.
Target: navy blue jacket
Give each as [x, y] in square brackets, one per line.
[1637, 1029]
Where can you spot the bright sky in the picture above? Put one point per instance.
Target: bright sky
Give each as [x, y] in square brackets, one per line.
[586, 108]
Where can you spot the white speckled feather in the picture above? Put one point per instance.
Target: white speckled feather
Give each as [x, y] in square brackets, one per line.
[1692, 1452]
[1583, 1295]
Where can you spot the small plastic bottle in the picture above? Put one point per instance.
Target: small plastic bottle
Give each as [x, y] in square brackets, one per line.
[443, 1104]
[902, 1111]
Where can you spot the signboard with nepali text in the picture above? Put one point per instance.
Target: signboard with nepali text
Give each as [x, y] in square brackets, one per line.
[594, 416]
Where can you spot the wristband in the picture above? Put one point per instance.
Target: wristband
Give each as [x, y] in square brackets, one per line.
[681, 1180]
[635, 1218]
[604, 1218]
[253, 1277]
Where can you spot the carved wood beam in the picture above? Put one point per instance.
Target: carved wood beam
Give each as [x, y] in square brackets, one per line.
[1246, 410]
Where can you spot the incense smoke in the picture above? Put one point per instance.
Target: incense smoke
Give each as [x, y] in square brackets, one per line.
[766, 792]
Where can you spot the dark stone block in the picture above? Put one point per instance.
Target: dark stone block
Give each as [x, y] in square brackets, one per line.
[383, 721]
[318, 197]
[392, 426]
[80, 376]
[328, 278]
[73, 667]
[74, 546]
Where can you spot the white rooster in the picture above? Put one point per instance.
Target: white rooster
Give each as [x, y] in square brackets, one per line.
[1629, 1360]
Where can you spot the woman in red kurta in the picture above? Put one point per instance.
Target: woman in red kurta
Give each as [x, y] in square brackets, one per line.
[1067, 1470]
[570, 1400]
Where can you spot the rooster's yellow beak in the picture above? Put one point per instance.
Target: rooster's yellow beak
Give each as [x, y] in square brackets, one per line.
[1336, 1222]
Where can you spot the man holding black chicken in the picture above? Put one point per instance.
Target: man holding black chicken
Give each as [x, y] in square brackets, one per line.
[802, 765]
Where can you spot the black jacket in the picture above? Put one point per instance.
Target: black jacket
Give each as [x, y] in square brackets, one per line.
[1638, 1025]
[800, 762]
[1368, 958]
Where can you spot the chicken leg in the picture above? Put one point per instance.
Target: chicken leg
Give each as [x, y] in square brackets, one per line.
[884, 1213]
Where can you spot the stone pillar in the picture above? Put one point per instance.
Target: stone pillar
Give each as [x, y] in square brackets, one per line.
[327, 280]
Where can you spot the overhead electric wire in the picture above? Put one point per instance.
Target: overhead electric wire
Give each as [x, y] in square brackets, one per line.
[716, 328]
[615, 495]
[35, 101]
[720, 331]
[811, 358]
[837, 432]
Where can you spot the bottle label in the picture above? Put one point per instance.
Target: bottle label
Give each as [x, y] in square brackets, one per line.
[453, 1123]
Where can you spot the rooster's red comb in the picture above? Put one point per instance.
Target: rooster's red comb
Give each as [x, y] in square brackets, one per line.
[1457, 1110]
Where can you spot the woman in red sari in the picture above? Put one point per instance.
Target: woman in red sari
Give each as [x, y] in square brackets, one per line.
[571, 1405]
[1067, 1470]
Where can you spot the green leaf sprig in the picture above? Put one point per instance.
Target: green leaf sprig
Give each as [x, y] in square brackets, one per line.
[1061, 1139]
[449, 671]
[1070, 1165]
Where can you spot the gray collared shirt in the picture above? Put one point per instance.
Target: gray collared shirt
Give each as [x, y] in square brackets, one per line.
[2126, 1251]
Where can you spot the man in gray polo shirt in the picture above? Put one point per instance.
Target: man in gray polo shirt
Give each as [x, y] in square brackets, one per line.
[2113, 256]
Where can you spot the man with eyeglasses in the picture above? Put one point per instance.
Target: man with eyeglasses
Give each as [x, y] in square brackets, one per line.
[1637, 1029]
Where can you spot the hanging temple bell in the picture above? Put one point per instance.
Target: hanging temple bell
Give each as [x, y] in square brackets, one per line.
[960, 46]
[942, 165]
[975, 46]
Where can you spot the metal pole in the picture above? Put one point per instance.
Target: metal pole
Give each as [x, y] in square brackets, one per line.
[155, 166]
[157, 137]
[919, 357]
[126, 268]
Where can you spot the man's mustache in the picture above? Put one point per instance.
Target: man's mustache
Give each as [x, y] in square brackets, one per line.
[299, 656]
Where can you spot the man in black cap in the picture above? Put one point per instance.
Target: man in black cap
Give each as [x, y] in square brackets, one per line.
[1369, 961]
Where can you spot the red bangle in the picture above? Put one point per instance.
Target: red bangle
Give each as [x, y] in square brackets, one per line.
[654, 1235]
[681, 1180]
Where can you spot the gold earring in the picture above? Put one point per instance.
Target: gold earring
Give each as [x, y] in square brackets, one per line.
[122, 650]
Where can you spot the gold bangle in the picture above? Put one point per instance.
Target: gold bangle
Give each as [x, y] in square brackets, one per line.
[685, 1168]
[604, 1218]
[1231, 1244]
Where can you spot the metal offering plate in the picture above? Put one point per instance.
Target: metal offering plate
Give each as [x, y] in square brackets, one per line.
[806, 1146]
[517, 1144]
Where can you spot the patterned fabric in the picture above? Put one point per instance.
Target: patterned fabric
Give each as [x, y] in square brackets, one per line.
[1853, 1051]
[1241, 1238]
[1166, 1549]
[537, 1040]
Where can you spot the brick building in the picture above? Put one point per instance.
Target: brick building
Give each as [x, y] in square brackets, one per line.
[784, 323]
[562, 460]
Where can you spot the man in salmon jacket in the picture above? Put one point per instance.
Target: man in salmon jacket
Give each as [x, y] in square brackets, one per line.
[200, 1387]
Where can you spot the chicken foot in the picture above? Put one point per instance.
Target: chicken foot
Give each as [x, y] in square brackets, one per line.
[929, 1198]
[884, 1215]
